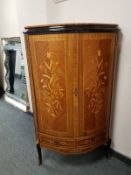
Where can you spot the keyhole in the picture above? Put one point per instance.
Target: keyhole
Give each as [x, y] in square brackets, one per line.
[75, 91]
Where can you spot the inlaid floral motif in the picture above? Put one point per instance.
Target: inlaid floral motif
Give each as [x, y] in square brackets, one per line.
[51, 83]
[94, 93]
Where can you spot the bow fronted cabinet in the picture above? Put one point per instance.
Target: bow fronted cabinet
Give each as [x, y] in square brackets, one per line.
[71, 69]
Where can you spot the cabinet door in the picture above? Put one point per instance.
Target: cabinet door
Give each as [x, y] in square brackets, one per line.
[95, 83]
[52, 59]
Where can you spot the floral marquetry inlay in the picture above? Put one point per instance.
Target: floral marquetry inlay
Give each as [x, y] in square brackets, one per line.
[94, 93]
[52, 85]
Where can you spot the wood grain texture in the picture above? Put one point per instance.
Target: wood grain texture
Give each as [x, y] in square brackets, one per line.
[96, 66]
[52, 72]
[72, 75]
[29, 61]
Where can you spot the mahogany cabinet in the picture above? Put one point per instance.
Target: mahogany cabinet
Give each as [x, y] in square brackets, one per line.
[71, 69]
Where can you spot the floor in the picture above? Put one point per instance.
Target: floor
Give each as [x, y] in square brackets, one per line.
[18, 154]
[20, 89]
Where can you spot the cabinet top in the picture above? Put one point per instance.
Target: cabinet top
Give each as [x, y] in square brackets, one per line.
[71, 28]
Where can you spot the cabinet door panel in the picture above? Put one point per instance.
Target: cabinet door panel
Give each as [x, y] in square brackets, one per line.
[52, 62]
[95, 82]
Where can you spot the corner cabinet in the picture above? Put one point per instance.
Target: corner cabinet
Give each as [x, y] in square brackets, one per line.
[71, 69]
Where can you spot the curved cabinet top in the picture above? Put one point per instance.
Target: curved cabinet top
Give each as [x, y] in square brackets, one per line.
[71, 28]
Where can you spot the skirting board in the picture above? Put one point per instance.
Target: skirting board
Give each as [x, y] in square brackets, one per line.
[121, 157]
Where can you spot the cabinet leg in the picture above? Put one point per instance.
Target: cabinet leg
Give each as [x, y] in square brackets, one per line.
[39, 154]
[108, 149]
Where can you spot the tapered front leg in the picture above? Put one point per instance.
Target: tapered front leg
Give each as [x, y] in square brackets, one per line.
[108, 148]
[39, 154]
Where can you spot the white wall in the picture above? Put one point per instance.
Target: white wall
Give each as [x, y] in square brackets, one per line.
[106, 11]
[8, 19]
[8, 25]
[31, 12]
